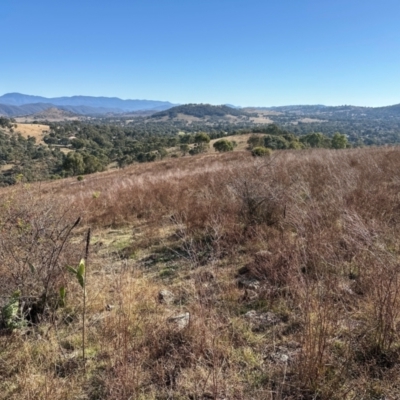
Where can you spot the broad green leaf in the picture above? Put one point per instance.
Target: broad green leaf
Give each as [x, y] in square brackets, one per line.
[80, 273]
[81, 280]
[81, 268]
[73, 270]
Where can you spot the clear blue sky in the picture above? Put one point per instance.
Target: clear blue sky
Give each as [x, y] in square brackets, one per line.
[244, 52]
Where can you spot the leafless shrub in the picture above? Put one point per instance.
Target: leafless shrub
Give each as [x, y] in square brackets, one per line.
[34, 250]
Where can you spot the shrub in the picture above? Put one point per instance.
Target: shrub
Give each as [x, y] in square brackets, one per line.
[261, 152]
[255, 141]
[275, 142]
[223, 145]
[34, 248]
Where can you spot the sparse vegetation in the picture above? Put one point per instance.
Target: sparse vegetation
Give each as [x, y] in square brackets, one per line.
[282, 271]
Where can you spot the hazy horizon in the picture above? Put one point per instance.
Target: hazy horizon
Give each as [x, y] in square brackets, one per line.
[227, 104]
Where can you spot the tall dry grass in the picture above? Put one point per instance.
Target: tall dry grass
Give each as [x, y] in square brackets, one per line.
[317, 231]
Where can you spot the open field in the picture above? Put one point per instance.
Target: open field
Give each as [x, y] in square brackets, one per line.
[218, 276]
[33, 130]
[6, 167]
[241, 141]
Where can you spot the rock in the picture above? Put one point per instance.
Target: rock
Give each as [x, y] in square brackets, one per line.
[285, 354]
[166, 297]
[345, 288]
[278, 357]
[262, 321]
[250, 295]
[251, 284]
[181, 321]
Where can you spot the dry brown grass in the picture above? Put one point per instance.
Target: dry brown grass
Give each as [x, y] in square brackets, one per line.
[241, 141]
[314, 232]
[33, 130]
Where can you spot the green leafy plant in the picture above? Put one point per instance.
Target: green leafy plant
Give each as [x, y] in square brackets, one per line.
[11, 313]
[79, 273]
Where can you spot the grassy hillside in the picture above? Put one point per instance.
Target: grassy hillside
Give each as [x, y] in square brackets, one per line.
[32, 130]
[218, 276]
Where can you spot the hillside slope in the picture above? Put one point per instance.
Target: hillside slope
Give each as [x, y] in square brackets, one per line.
[210, 277]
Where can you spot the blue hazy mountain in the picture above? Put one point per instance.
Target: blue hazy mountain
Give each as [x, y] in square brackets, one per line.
[82, 104]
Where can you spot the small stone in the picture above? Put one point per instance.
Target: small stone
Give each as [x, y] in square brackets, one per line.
[262, 321]
[251, 314]
[166, 297]
[251, 284]
[279, 357]
[345, 288]
[181, 321]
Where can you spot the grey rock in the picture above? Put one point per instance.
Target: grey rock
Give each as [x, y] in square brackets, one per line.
[279, 357]
[284, 354]
[181, 321]
[262, 321]
[251, 284]
[166, 297]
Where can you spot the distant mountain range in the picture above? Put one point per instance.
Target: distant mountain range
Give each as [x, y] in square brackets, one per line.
[17, 104]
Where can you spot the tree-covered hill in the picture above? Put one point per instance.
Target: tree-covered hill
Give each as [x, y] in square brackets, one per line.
[200, 111]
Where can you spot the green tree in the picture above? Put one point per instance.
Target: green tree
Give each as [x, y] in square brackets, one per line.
[339, 141]
[223, 145]
[184, 148]
[201, 138]
[255, 141]
[162, 152]
[275, 142]
[74, 163]
[201, 143]
[92, 164]
[316, 140]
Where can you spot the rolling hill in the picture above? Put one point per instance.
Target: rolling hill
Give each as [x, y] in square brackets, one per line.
[200, 111]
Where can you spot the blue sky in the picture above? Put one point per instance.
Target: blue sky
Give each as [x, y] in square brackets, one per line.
[243, 52]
